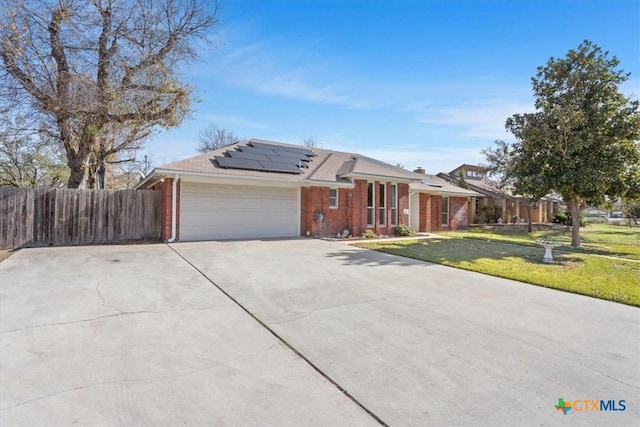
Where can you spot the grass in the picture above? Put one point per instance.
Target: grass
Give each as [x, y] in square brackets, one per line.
[514, 255]
[600, 239]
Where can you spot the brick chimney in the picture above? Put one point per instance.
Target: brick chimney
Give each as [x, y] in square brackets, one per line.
[420, 170]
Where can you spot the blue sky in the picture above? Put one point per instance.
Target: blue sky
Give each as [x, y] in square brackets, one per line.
[419, 83]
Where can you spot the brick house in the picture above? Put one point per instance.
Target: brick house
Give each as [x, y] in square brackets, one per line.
[491, 203]
[437, 205]
[264, 189]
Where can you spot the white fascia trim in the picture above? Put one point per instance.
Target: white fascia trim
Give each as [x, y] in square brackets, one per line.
[330, 184]
[243, 180]
[230, 179]
[147, 178]
[445, 193]
[378, 178]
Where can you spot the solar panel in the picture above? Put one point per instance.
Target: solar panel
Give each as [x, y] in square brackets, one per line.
[254, 150]
[431, 183]
[300, 150]
[281, 167]
[228, 162]
[267, 146]
[293, 155]
[266, 157]
[246, 155]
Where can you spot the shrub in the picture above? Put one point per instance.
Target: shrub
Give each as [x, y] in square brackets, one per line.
[405, 230]
[594, 220]
[369, 234]
[564, 218]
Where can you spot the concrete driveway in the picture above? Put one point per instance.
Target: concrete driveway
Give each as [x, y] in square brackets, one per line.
[331, 335]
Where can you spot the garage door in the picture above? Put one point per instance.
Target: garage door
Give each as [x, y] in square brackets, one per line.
[211, 212]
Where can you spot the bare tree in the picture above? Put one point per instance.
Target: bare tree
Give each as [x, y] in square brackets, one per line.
[26, 157]
[103, 73]
[311, 142]
[212, 138]
[128, 174]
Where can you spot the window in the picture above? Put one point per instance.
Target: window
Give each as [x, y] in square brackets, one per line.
[474, 174]
[370, 205]
[333, 198]
[445, 210]
[394, 205]
[382, 204]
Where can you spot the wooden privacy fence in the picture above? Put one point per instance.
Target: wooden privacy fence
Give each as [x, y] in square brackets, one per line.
[45, 217]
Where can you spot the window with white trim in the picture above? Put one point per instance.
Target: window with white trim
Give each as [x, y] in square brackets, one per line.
[382, 204]
[333, 198]
[394, 205]
[370, 204]
[474, 174]
[445, 210]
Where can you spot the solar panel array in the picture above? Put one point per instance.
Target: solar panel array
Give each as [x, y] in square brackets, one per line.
[259, 156]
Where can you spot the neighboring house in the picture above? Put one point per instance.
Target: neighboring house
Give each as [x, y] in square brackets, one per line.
[264, 189]
[493, 203]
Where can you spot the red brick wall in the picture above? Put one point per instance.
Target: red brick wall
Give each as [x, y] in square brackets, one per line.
[424, 206]
[359, 207]
[316, 200]
[167, 194]
[435, 217]
[351, 213]
[458, 213]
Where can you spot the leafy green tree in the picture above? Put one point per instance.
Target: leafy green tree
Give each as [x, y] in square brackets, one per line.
[102, 73]
[511, 168]
[631, 198]
[583, 138]
[461, 182]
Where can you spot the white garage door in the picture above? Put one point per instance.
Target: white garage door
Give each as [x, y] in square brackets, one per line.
[210, 212]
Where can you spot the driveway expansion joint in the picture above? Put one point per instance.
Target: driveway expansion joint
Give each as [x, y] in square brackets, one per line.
[283, 341]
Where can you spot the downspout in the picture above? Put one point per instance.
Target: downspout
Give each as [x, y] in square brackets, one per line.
[174, 191]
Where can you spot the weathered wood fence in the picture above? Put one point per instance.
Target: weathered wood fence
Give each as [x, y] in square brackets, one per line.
[46, 217]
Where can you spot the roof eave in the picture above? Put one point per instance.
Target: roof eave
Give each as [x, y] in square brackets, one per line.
[378, 177]
[168, 173]
[444, 192]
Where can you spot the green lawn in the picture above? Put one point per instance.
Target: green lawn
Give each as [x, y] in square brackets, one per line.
[515, 256]
[603, 239]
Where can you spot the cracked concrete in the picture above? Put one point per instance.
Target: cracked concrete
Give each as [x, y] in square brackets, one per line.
[176, 351]
[423, 344]
[149, 340]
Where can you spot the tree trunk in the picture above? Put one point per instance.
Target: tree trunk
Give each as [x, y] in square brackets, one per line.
[101, 171]
[529, 223]
[77, 174]
[574, 209]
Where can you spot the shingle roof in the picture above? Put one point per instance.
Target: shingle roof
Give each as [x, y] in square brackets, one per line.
[435, 184]
[483, 187]
[326, 166]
